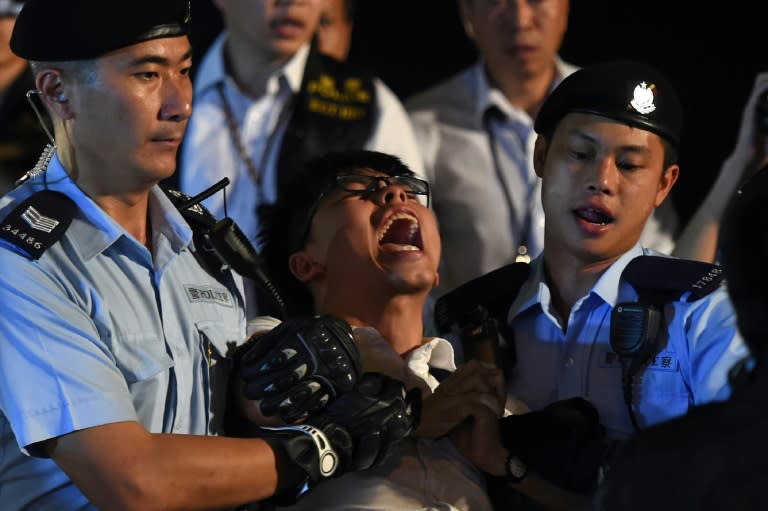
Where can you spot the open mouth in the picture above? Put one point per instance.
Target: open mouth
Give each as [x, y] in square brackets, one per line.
[594, 216]
[401, 233]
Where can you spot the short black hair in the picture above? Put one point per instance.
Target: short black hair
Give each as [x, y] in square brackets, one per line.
[743, 248]
[284, 223]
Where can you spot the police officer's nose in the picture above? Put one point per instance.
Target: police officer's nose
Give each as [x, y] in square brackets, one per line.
[603, 177]
[177, 101]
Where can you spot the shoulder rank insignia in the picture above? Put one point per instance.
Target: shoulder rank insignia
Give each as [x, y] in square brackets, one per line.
[39, 222]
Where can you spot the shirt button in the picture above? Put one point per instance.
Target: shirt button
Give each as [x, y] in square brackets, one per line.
[568, 362]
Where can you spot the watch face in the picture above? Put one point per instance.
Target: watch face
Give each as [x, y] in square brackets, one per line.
[516, 468]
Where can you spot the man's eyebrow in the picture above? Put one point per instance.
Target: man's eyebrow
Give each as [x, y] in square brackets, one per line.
[157, 59]
[579, 133]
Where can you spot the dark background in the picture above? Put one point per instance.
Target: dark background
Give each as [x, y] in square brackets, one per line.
[711, 55]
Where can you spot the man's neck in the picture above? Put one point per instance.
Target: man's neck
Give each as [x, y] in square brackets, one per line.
[399, 320]
[249, 68]
[129, 207]
[570, 279]
[526, 92]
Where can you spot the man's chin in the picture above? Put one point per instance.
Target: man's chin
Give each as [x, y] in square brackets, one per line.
[412, 283]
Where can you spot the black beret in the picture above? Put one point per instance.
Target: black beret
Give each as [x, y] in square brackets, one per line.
[627, 91]
[56, 30]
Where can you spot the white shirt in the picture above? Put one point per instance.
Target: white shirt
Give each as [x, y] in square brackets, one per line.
[209, 154]
[426, 474]
[486, 204]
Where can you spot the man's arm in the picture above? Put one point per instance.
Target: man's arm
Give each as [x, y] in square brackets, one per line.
[698, 240]
[122, 466]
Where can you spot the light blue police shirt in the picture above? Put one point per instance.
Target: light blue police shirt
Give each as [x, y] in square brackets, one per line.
[701, 344]
[98, 330]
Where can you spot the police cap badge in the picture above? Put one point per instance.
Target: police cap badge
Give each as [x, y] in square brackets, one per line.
[627, 91]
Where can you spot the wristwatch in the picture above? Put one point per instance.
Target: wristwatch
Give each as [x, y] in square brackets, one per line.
[516, 469]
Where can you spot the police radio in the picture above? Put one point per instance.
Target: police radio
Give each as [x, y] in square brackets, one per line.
[222, 242]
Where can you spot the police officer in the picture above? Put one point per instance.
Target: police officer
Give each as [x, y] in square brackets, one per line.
[115, 343]
[641, 336]
[670, 466]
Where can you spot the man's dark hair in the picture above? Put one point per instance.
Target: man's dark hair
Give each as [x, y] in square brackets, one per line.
[285, 224]
[743, 253]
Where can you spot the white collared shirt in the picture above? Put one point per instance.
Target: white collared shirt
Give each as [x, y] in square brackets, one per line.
[426, 474]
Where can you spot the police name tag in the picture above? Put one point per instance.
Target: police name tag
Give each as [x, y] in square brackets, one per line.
[663, 361]
[208, 294]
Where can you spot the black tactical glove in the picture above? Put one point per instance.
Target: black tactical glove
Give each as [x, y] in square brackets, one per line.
[299, 366]
[563, 442]
[358, 430]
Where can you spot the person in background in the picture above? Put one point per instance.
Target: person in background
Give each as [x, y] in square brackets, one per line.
[477, 138]
[670, 466]
[22, 137]
[334, 32]
[116, 342]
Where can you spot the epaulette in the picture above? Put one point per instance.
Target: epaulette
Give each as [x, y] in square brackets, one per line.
[197, 214]
[201, 221]
[39, 222]
[659, 279]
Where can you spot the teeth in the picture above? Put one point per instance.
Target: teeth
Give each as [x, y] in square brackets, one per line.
[401, 216]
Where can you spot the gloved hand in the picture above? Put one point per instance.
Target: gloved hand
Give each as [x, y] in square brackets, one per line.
[365, 426]
[358, 430]
[299, 366]
[563, 442]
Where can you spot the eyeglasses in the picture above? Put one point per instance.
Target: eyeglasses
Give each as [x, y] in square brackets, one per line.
[363, 184]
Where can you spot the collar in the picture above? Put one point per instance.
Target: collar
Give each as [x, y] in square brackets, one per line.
[488, 96]
[212, 71]
[97, 231]
[609, 287]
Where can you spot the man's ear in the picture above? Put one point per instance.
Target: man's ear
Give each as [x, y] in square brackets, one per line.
[668, 179]
[303, 267]
[539, 155]
[53, 93]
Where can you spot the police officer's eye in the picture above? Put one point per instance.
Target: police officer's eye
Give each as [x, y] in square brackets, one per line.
[627, 165]
[579, 155]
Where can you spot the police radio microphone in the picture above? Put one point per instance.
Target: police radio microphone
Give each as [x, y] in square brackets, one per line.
[234, 249]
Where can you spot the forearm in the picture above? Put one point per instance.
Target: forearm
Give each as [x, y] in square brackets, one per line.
[121, 466]
[699, 239]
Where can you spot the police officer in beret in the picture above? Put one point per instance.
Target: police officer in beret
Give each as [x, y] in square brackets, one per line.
[115, 341]
[714, 456]
[640, 335]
